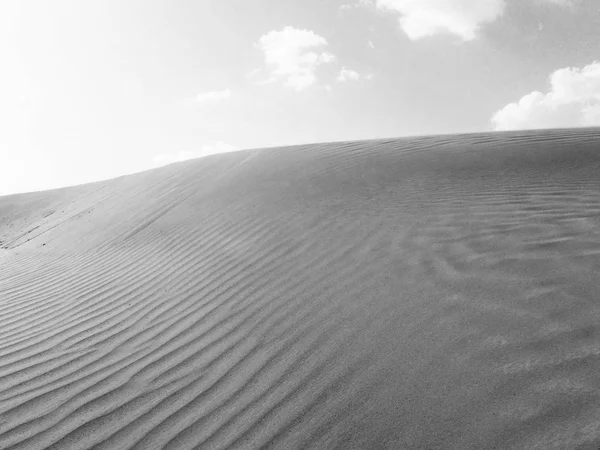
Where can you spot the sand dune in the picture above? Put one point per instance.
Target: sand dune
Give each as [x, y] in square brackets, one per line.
[424, 293]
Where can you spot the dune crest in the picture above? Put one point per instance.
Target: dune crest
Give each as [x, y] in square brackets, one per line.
[436, 292]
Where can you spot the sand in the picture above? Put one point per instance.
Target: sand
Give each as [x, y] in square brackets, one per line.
[421, 293]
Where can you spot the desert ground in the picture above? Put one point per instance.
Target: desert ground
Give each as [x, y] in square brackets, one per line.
[435, 292]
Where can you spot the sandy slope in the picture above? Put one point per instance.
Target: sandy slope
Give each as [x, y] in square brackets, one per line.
[436, 293]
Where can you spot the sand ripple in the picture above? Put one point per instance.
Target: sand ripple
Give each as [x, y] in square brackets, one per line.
[437, 292]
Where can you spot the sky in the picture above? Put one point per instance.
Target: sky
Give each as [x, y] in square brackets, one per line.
[91, 90]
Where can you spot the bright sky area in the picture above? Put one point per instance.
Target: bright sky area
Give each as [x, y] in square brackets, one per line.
[96, 89]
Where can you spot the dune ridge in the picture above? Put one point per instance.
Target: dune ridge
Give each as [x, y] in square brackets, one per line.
[427, 292]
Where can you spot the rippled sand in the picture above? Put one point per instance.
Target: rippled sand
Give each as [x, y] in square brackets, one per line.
[422, 293]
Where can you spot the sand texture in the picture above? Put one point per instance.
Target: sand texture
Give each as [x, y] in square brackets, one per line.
[421, 293]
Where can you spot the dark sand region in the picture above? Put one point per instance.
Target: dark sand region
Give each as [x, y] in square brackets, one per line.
[424, 293]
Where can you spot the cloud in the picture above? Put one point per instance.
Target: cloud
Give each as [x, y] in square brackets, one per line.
[213, 96]
[463, 18]
[293, 56]
[217, 147]
[565, 3]
[352, 75]
[348, 75]
[358, 4]
[573, 100]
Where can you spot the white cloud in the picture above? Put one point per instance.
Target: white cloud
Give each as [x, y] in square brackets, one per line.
[352, 75]
[217, 147]
[566, 3]
[213, 96]
[573, 100]
[463, 18]
[293, 55]
[348, 75]
[358, 4]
